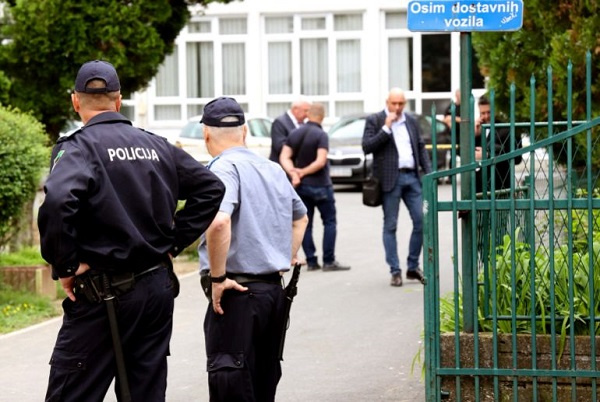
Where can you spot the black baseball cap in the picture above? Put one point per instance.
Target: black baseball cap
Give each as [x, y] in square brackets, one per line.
[217, 109]
[97, 70]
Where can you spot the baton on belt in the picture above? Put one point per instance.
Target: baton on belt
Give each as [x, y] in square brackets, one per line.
[109, 299]
[290, 292]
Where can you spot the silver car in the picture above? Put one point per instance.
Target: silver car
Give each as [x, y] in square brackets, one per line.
[191, 137]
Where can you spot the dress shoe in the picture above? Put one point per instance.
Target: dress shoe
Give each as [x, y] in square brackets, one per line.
[416, 274]
[335, 266]
[313, 267]
[396, 279]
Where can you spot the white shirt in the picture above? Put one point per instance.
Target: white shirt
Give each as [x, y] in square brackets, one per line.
[296, 124]
[406, 159]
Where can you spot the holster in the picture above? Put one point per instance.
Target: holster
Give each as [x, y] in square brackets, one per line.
[206, 284]
[92, 285]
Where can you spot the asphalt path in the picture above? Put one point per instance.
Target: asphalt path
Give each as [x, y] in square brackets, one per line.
[352, 336]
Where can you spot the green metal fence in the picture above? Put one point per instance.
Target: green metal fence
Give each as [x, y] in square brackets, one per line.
[522, 318]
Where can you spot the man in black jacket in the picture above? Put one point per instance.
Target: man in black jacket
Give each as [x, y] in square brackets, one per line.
[304, 158]
[109, 220]
[399, 156]
[500, 142]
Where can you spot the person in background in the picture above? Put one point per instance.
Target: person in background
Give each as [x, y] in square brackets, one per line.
[448, 114]
[396, 142]
[304, 158]
[109, 225]
[285, 124]
[501, 144]
[249, 245]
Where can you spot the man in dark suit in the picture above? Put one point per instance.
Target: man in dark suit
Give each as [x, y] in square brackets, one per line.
[399, 155]
[500, 141]
[285, 124]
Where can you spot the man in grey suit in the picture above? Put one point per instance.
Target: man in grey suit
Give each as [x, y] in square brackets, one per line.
[396, 142]
[285, 124]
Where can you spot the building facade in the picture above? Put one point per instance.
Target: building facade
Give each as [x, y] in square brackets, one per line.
[266, 53]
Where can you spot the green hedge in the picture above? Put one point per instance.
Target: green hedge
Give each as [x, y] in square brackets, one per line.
[24, 153]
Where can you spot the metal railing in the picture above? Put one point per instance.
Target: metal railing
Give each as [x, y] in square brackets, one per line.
[522, 320]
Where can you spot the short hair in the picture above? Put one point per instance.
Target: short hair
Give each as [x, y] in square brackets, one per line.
[483, 100]
[98, 101]
[317, 110]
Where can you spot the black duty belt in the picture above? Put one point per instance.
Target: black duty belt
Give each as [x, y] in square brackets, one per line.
[406, 170]
[95, 284]
[151, 269]
[274, 278]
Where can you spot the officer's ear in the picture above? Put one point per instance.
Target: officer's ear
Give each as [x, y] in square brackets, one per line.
[244, 133]
[207, 138]
[118, 103]
[75, 102]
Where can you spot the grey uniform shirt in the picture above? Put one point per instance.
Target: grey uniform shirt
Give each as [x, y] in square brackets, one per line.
[262, 204]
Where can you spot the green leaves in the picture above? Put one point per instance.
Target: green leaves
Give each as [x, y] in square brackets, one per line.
[23, 156]
[560, 291]
[49, 40]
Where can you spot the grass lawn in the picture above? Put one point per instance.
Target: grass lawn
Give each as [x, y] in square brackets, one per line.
[20, 309]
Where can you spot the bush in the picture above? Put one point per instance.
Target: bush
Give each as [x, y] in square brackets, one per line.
[23, 155]
[24, 257]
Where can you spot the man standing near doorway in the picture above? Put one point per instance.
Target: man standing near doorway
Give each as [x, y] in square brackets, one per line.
[285, 124]
[396, 142]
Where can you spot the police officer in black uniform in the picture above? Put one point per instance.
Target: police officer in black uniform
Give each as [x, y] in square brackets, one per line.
[109, 226]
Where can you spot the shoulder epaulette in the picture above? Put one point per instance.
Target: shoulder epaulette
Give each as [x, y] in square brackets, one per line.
[68, 135]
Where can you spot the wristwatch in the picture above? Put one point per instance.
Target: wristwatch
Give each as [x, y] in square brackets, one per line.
[218, 279]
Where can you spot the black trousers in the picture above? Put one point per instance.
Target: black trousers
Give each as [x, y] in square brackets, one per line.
[83, 363]
[242, 345]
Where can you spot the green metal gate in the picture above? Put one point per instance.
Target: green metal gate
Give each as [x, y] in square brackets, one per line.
[522, 317]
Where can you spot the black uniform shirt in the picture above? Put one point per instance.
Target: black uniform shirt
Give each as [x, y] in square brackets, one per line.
[111, 198]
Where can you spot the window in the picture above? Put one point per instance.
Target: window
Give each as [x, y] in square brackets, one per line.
[280, 68]
[400, 63]
[395, 21]
[436, 66]
[348, 65]
[200, 70]
[344, 108]
[274, 25]
[275, 109]
[314, 69]
[233, 26]
[347, 22]
[234, 68]
[310, 24]
[315, 56]
[167, 79]
[167, 112]
[199, 27]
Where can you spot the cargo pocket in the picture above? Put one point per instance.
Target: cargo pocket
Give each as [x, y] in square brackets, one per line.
[65, 372]
[229, 378]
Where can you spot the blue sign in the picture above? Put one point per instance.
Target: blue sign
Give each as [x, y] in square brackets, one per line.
[465, 16]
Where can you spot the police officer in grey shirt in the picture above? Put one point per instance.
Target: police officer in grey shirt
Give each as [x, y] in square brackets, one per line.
[253, 239]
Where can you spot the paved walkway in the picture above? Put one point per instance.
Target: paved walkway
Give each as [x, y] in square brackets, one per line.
[352, 336]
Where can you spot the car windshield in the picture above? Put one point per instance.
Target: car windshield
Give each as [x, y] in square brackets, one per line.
[260, 127]
[192, 130]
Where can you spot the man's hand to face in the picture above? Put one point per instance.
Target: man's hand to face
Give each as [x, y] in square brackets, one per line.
[395, 105]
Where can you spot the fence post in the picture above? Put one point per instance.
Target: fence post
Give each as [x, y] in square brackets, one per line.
[466, 190]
